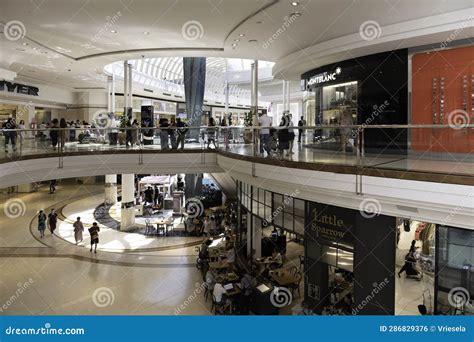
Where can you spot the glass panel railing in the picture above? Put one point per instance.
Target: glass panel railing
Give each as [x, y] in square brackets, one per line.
[425, 148]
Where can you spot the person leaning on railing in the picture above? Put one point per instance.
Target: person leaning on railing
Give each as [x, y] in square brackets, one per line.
[10, 134]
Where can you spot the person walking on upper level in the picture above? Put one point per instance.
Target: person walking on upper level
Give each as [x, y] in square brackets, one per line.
[265, 122]
[10, 134]
[182, 130]
[211, 133]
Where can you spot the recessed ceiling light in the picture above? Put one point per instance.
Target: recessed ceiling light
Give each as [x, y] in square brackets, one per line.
[295, 14]
[234, 45]
[295, 3]
[35, 48]
[242, 35]
[146, 33]
[236, 40]
[113, 31]
[24, 44]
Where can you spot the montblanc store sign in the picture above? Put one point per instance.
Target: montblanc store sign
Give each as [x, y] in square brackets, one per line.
[324, 77]
[18, 88]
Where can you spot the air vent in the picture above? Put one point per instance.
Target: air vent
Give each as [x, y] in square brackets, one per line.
[218, 102]
[410, 209]
[148, 90]
[178, 96]
[166, 94]
[205, 101]
[240, 105]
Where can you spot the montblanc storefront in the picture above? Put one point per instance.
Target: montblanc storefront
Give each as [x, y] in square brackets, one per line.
[366, 90]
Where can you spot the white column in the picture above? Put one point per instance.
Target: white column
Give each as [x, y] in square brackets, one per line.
[128, 202]
[226, 88]
[110, 189]
[130, 91]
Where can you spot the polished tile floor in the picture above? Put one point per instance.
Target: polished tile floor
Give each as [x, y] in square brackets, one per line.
[57, 277]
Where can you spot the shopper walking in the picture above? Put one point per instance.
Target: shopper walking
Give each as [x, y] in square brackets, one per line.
[41, 222]
[54, 133]
[52, 221]
[291, 134]
[10, 134]
[265, 122]
[211, 133]
[172, 134]
[62, 133]
[94, 232]
[283, 136]
[135, 130]
[182, 130]
[78, 230]
[301, 123]
[164, 133]
[21, 133]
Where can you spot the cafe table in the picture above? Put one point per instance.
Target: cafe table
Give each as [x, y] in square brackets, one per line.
[283, 277]
[218, 264]
[163, 222]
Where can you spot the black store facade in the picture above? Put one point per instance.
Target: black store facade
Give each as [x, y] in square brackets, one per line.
[370, 90]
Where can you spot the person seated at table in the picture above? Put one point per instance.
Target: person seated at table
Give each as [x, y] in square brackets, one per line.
[230, 257]
[277, 259]
[206, 226]
[213, 226]
[204, 250]
[219, 294]
[210, 280]
[247, 284]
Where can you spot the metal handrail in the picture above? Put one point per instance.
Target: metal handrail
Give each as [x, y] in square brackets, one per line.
[407, 126]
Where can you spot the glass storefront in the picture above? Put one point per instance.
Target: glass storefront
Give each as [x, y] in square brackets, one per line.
[335, 105]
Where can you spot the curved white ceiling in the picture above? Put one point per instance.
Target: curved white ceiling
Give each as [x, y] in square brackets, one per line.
[69, 42]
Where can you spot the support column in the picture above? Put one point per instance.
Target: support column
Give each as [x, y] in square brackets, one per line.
[254, 236]
[127, 221]
[226, 90]
[110, 189]
[194, 70]
[254, 104]
[127, 89]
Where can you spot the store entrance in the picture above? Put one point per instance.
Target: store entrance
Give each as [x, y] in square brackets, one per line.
[336, 105]
[415, 267]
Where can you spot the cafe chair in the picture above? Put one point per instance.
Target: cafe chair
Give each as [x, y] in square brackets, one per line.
[149, 228]
[160, 230]
[295, 287]
[170, 228]
[301, 257]
[217, 307]
[293, 270]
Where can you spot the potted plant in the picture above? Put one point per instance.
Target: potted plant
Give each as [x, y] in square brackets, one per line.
[248, 122]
